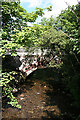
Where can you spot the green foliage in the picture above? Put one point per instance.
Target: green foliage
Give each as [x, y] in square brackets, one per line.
[62, 36]
[39, 11]
[47, 22]
[7, 77]
[13, 101]
[49, 8]
[14, 22]
[15, 34]
[30, 36]
[70, 75]
[68, 21]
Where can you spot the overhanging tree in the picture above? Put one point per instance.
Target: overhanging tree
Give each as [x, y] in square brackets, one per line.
[69, 22]
[16, 34]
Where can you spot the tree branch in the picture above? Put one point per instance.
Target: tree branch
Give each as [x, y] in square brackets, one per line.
[72, 11]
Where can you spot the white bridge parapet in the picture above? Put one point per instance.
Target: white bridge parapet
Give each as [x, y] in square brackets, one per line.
[27, 58]
[30, 71]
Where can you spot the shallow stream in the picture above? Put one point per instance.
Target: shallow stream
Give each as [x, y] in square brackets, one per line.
[41, 96]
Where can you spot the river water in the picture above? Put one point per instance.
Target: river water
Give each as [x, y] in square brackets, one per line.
[41, 96]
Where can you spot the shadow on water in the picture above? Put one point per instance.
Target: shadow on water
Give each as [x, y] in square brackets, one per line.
[61, 101]
[58, 101]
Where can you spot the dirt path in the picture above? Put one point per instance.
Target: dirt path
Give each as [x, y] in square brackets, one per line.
[41, 100]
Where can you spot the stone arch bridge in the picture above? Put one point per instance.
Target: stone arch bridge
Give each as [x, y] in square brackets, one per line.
[24, 61]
